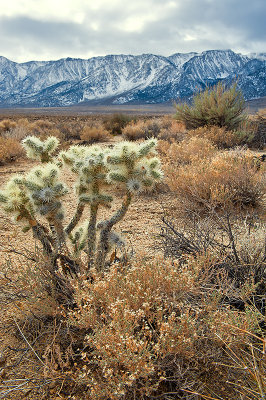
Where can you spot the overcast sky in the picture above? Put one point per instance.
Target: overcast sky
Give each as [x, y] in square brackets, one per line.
[53, 29]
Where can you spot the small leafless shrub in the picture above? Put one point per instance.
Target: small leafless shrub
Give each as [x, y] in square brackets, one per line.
[223, 138]
[18, 133]
[115, 123]
[227, 180]
[136, 332]
[142, 130]
[10, 150]
[6, 125]
[94, 134]
[231, 251]
[190, 150]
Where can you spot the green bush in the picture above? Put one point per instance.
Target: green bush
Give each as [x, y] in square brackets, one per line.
[214, 106]
[116, 122]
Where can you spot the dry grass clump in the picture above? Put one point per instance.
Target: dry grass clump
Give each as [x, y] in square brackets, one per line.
[40, 125]
[93, 134]
[136, 332]
[115, 123]
[228, 179]
[165, 128]
[6, 125]
[10, 150]
[44, 128]
[142, 129]
[262, 112]
[223, 138]
[190, 150]
[172, 130]
[18, 133]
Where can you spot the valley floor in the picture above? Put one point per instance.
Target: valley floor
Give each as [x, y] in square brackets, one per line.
[252, 106]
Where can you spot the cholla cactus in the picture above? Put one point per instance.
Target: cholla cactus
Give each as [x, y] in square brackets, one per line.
[38, 196]
[38, 150]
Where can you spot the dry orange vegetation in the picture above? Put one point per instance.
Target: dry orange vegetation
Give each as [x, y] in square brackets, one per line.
[183, 316]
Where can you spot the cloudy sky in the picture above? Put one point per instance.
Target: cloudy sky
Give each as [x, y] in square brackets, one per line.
[53, 29]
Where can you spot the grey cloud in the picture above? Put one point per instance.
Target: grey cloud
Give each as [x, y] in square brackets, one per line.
[215, 24]
[236, 24]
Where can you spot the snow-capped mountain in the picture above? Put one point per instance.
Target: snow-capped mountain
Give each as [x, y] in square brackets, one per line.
[118, 79]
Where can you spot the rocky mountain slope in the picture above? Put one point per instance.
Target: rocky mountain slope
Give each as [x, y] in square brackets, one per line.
[120, 79]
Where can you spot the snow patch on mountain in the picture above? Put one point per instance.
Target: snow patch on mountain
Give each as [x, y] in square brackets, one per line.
[120, 79]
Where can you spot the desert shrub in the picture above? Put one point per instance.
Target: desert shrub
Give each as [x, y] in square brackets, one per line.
[142, 130]
[40, 128]
[23, 122]
[229, 179]
[191, 149]
[150, 330]
[238, 242]
[18, 133]
[134, 131]
[171, 135]
[172, 130]
[215, 106]
[70, 130]
[40, 125]
[10, 150]
[51, 132]
[262, 112]
[259, 125]
[223, 138]
[116, 122]
[6, 125]
[55, 132]
[92, 134]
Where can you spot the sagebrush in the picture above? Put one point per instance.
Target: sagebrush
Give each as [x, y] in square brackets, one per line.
[215, 106]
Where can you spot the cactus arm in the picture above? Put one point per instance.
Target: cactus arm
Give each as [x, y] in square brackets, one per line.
[60, 235]
[103, 247]
[40, 234]
[76, 218]
[92, 234]
[92, 223]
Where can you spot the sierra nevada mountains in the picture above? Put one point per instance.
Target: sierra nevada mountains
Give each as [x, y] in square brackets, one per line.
[118, 79]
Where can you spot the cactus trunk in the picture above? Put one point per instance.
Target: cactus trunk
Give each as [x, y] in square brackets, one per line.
[76, 218]
[103, 247]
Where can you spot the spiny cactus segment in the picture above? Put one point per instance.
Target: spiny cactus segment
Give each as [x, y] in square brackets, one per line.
[16, 201]
[129, 165]
[46, 190]
[38, 150]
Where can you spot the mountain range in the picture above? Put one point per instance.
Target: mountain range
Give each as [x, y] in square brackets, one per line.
[122, 79]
